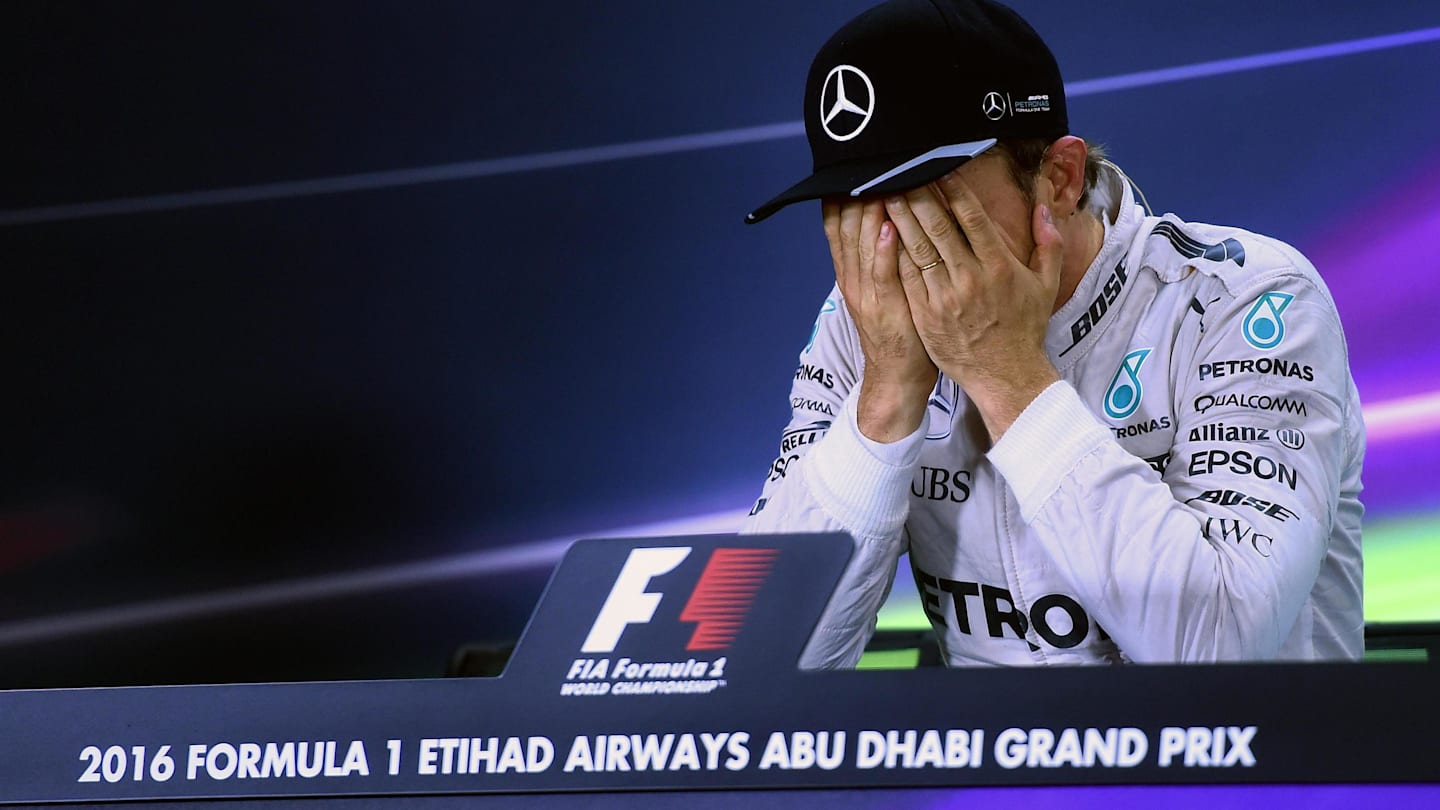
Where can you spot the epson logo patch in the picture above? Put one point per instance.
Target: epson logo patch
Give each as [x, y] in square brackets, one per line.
[721, 598]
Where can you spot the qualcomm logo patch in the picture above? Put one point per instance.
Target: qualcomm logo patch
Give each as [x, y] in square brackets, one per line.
[1122, 398]
[847, 102]
[1263, 327]
[826, 308]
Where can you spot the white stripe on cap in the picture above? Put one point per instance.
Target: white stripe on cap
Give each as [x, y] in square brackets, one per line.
[970, 149]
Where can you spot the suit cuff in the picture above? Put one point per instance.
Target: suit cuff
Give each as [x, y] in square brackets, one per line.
[863, 483]
[1046, 442]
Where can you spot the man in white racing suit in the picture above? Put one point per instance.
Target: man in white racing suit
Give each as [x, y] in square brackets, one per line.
[1102, 436]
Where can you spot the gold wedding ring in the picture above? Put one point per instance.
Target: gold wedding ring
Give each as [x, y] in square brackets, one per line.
[935, 263]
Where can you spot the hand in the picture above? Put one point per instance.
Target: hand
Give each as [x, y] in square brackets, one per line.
[982, 313]
[898, 374]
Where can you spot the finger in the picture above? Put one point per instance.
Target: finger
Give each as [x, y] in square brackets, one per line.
[912, 279]
[984, 238]
[872, 216]
[850, 231]
[844, 276]
[830, 214]
[1049, 248]
[935, 271]
[917, 243]
[845, 221]
[938, 224]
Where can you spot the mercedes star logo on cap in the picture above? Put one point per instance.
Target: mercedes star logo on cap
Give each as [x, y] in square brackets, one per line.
[844, 113]
[993, 106]
[921, 55]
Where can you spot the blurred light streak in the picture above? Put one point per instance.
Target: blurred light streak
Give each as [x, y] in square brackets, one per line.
[486, 563]
[1220, 67]
[659, 146]
[367, 181]
[1407, 416]
[1386, 420]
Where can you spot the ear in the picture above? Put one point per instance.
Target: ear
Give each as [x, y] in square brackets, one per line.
[1064, 167]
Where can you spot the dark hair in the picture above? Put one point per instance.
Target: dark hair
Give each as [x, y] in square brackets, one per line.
[1025, 155]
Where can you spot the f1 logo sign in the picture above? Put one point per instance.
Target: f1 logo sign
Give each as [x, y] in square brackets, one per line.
[718, 604]
[629, 602]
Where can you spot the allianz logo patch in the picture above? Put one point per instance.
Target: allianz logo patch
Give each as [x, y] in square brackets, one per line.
[1293, 438]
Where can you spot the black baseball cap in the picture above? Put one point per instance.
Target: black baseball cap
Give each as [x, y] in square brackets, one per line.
[910, 89]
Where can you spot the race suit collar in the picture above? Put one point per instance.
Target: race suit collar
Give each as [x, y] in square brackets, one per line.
[1074, 327]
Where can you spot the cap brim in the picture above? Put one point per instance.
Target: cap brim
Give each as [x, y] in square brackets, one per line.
[881, 175]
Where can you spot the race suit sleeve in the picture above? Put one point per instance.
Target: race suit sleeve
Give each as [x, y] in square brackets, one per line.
[830, 477]
[1215, 560]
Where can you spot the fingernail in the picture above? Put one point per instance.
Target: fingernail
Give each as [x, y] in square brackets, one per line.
[885, 231]
[894, 199]
[1045, 214]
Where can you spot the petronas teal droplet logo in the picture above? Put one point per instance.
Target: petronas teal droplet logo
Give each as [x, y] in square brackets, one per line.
[830, 306]
[1264, 327]
[1122, 398]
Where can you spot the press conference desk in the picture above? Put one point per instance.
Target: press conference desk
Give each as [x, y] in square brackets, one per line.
[641, 681]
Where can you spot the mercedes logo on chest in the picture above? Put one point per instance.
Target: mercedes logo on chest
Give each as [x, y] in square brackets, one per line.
[993, 106]
[847, 102]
